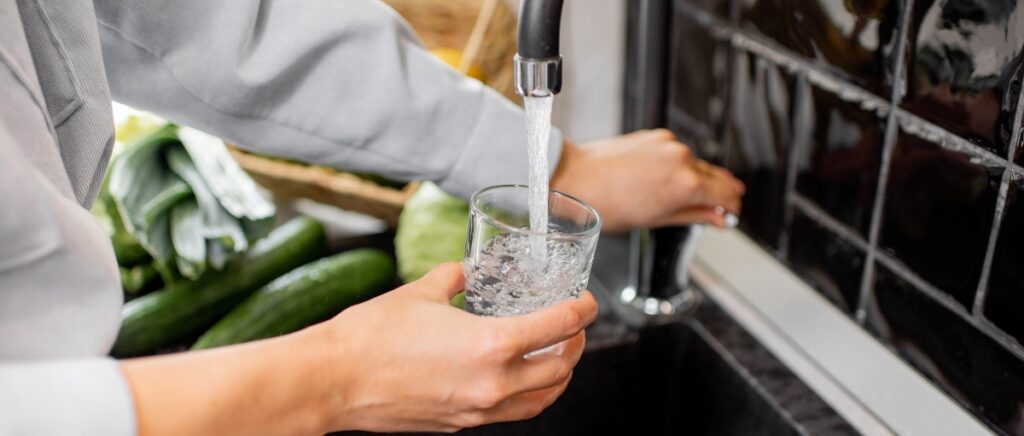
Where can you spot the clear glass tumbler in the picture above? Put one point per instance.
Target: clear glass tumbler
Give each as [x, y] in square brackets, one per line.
[504, 276]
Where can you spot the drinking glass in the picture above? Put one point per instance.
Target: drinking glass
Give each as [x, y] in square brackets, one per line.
[504, 274]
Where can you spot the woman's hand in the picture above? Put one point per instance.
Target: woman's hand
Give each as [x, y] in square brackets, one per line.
[647, 179]
[408, 361]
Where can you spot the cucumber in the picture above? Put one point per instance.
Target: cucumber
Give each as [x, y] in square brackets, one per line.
[308, 295]
[185, 309]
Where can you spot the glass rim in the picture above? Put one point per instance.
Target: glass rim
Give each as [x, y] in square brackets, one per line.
[598, 222]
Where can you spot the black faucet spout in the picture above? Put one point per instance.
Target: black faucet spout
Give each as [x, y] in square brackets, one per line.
[538, 62]
[539, 25]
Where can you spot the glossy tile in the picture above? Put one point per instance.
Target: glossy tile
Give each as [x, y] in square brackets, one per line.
[975, 370]
[938, 213]
[855, 38]
[839, 168]
[697, 86]
[1004, 304]
[756, 141]
[964, 67]
[719, 8]
[829, 263]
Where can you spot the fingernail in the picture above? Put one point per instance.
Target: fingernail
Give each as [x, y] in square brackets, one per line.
[731, 220]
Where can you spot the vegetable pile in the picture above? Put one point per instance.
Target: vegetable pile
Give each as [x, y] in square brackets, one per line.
[176, 205]
[198, 258]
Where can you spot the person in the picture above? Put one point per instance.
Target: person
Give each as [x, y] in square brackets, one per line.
[335, 82]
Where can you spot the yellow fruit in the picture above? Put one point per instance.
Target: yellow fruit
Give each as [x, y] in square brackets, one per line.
[453, 57]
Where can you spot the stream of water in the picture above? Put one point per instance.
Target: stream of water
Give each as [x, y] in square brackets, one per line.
[538, 134]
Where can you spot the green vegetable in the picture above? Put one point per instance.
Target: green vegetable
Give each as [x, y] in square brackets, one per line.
[135, 279]
[431, 231]
[307, 295]
[185, 309]
[143, 189]
[459, 300]
[216, 222]
[188, 239]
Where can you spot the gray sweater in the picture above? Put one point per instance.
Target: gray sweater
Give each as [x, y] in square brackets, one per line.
[336, 82]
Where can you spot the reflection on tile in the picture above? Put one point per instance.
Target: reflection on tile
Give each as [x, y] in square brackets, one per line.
[697, 80]
[718, 7]
[1004, 304]
[964, 68]
[756, 142]
[938, 213]
[966, 363]
[854, 37]
[839, 170]
[831, 264]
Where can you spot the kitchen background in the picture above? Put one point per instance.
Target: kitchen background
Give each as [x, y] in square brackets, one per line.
[880, 144]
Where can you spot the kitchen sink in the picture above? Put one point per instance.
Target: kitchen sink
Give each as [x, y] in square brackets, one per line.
[671, 380]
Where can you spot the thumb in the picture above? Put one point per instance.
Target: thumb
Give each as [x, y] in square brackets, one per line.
[442, 282]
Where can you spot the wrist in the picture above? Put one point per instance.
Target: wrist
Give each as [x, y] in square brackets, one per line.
[329, 378]
[324, 378]
[562, 177]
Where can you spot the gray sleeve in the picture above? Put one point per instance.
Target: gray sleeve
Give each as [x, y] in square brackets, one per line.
[337, 82]
[65, 397]
[59, 295]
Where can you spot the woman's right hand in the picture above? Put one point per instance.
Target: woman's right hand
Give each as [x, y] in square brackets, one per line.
[408, 361]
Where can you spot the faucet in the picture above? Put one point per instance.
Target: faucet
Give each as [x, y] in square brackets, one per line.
[538, 62]
[658, 288]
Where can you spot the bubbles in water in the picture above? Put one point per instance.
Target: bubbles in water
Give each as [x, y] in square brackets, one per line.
[504, 279]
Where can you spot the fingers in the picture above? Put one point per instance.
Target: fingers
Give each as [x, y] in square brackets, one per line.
[527, 405]
[695, 215]
[551, 325]
[716, 187]
[442, 282]
[547, 369]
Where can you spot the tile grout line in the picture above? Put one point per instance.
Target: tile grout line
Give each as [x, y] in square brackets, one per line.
[848, 234]
[934, 294]
[816, 213]
[986, 266]
[797, 145]
[997, 219]
[888, 148]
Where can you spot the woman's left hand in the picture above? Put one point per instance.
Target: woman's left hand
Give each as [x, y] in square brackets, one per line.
[647, 179]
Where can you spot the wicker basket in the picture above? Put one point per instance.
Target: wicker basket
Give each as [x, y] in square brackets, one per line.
[484, 30]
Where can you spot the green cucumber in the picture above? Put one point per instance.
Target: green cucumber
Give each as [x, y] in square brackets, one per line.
[308, 295]
[183, 310]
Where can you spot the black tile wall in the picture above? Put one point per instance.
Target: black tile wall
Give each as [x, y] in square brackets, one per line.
[697, 73]
[827, 261]
[972, 368]
[1005, 302]
[840, 169]
[756, 141]
[939, 293]
[854, 37]
[964, 67]
[938, 214]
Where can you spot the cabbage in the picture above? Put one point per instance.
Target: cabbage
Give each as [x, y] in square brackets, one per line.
[431, 231]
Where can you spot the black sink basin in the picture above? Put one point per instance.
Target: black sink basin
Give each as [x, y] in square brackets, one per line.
[670, 381]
